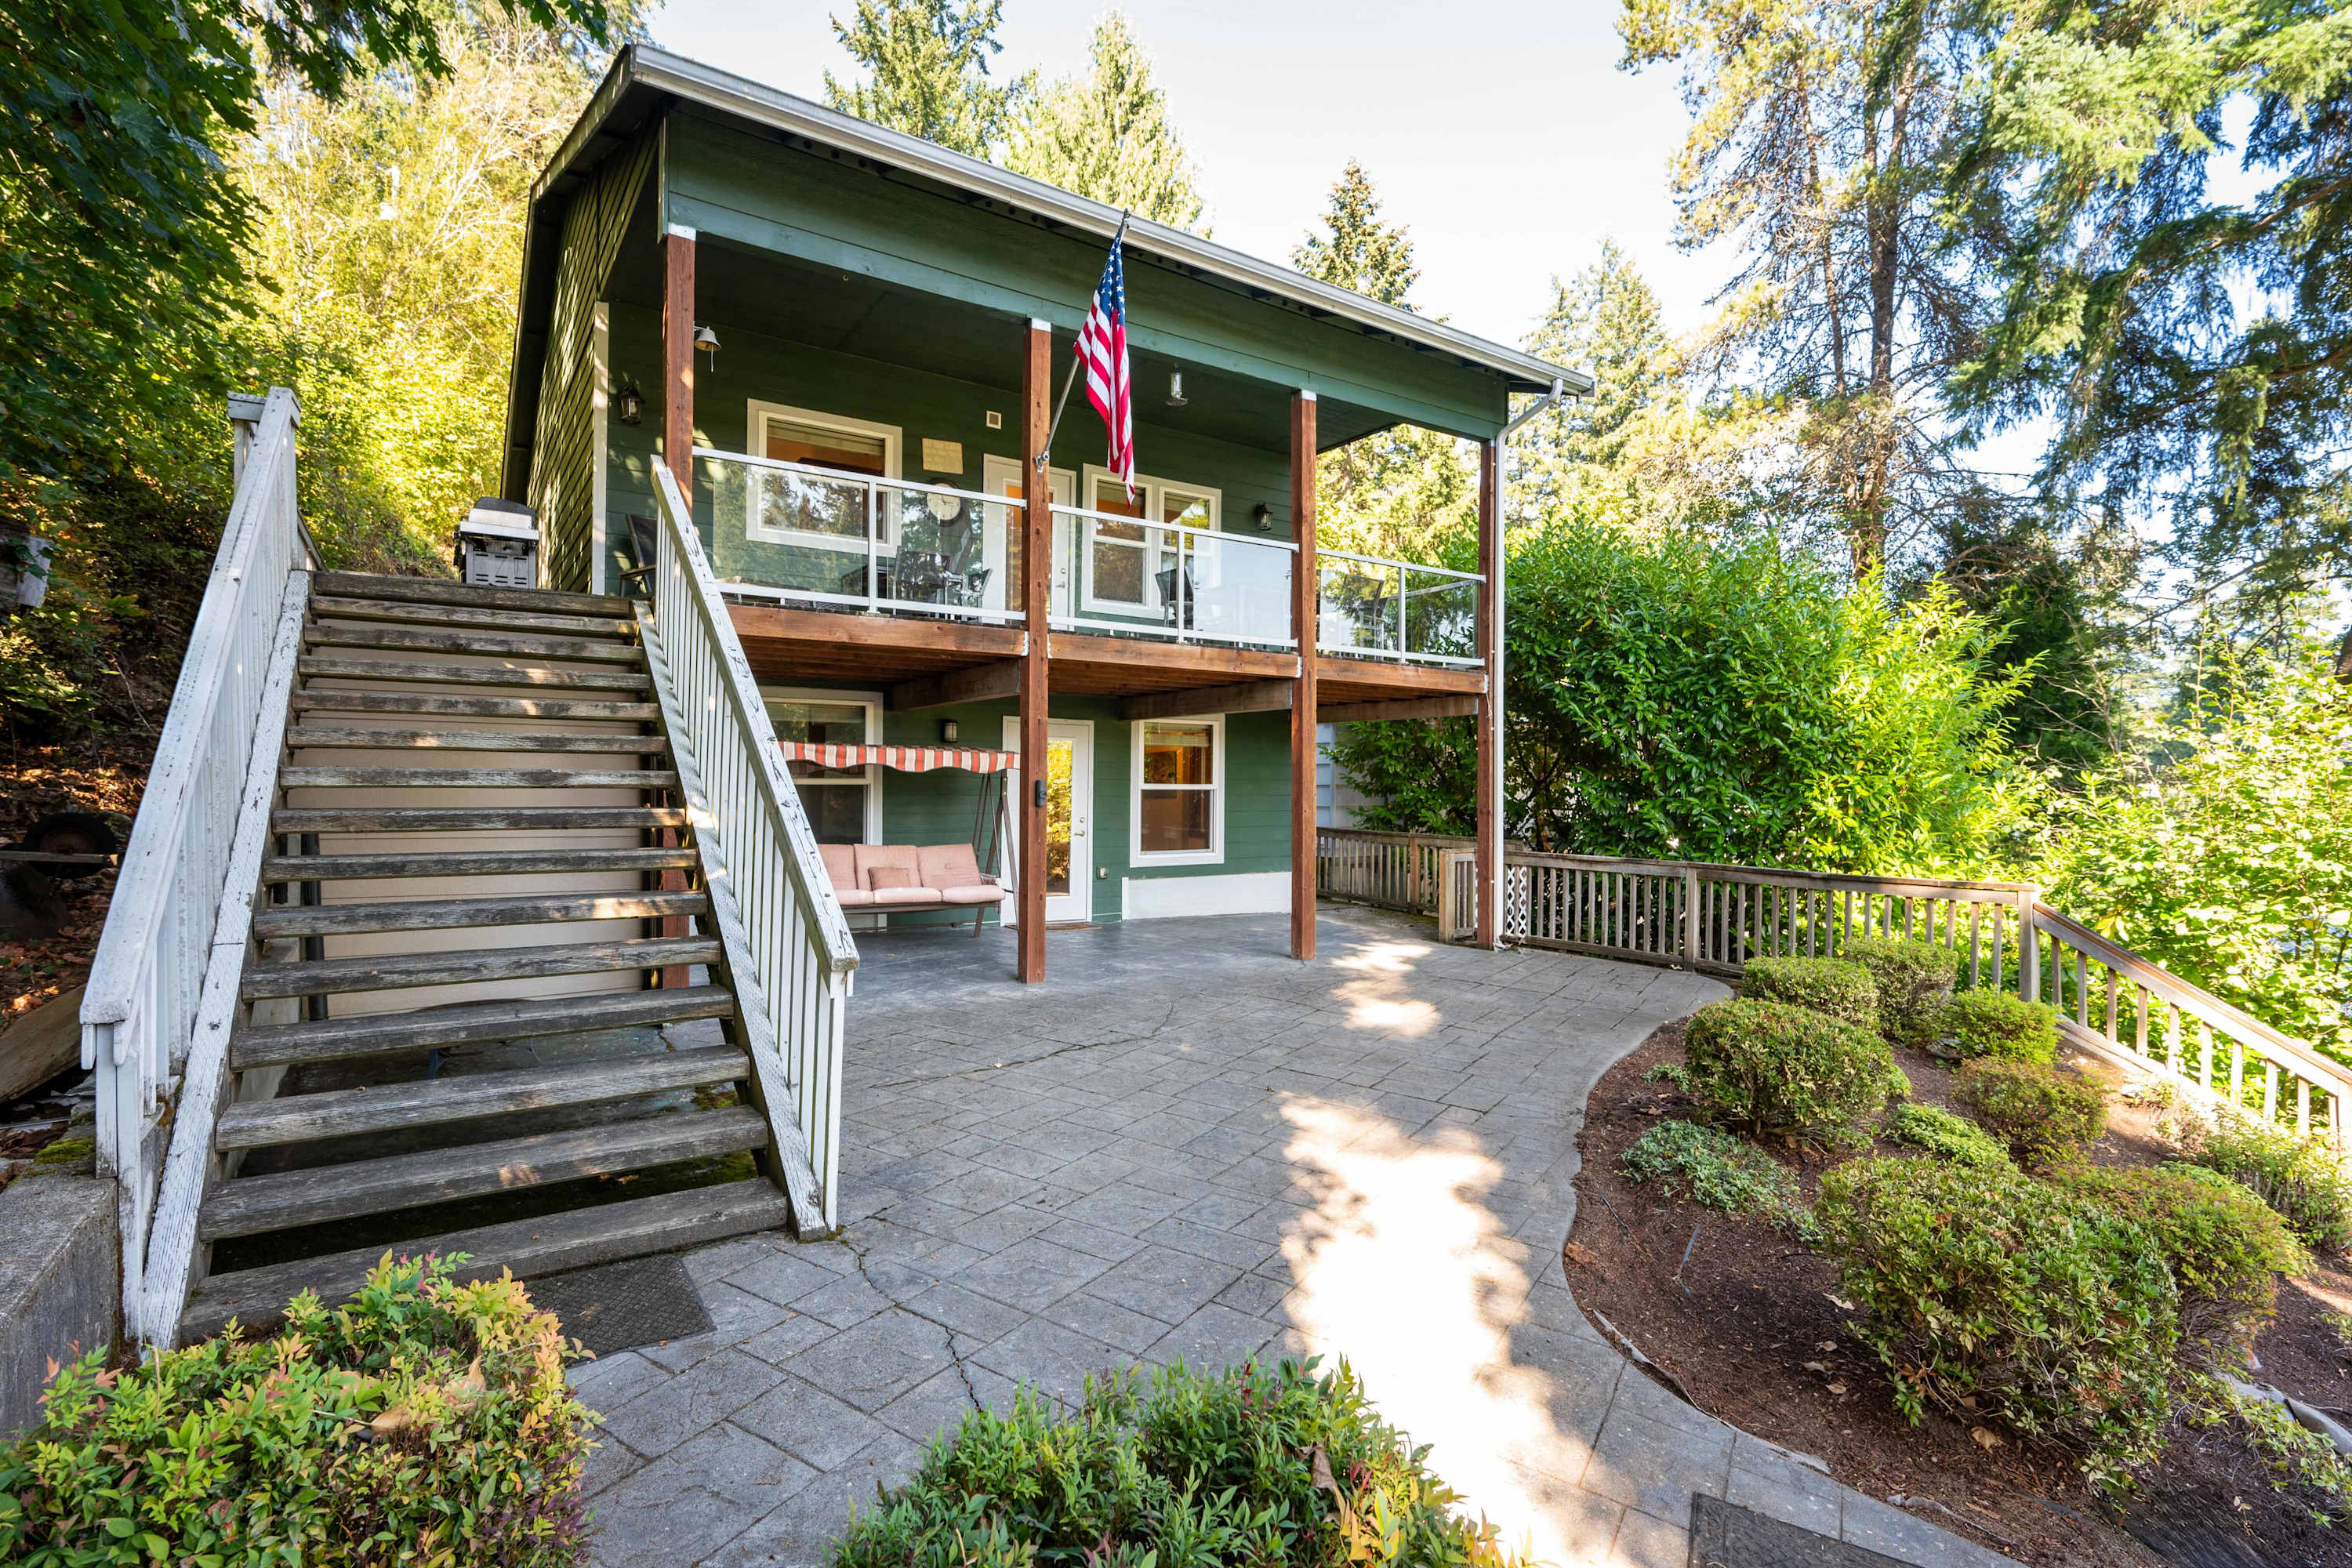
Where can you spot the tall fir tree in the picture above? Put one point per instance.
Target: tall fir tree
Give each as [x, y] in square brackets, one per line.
[927, 62]
[1108, 134]
[1606, 322]
[1404, 491]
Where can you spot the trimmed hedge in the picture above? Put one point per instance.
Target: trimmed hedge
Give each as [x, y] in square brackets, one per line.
[425, 1422]
[2047, 1116]
[2225, 1246]
[1944, 1135]
[1996, 1024]
[1843, 991]
[2296, 1176]
[1773, 1068]
[1987, 1292]
[1914, 979]
[1263, 1465]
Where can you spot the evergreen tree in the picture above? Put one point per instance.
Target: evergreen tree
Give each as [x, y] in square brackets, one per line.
[1605, 321]
[1403, 491]
[929, 60]
[1109, 136]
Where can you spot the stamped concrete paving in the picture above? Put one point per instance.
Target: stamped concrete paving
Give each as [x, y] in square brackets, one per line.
[1188, 1145]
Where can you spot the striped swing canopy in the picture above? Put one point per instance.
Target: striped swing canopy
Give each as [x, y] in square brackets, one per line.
[904, 759]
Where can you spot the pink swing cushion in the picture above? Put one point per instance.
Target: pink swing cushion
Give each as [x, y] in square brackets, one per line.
[906, 876]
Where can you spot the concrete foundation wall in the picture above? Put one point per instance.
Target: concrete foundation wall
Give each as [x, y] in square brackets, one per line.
[61, 1287]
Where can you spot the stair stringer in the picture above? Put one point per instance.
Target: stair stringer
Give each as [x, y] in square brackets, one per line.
[168, 1268]
[752, 1028]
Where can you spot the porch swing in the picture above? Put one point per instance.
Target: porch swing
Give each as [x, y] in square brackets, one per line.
[909, 878]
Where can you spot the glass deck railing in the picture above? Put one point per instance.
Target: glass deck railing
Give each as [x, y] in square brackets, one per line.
[1376, 608]
[1121, 575]
[789, 531]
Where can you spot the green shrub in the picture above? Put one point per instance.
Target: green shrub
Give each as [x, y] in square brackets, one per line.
[2303, 1465]
[1996, 1024]
[1914, 980]
[1843, 991]
[424, 1422]
[2299, 1177]
[1984, 1290]
[2046, 1116]
[1710, 1166]
[1259, 1465]
[2225, 1247]
[1944, 1135]
[1778, 1069]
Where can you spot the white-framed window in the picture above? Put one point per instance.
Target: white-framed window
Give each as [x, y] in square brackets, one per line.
[1131, 566]
[1177, 813]
[790, 509]
[844, 805]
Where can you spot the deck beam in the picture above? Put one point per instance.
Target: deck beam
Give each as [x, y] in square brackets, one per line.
[1249, 696]
[1306, 607]
[980, 683]
[1036, 578]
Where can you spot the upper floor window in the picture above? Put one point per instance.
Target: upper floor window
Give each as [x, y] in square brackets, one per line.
[796, 509]
[1131, 566]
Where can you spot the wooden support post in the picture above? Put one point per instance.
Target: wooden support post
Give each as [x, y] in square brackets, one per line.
[1306, 616]
[1036, 576]
[1490, 702]
[678, 451]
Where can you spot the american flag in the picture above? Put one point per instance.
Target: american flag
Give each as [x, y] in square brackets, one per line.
[1102, 349]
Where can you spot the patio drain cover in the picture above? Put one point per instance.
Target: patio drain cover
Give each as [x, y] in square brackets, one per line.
[619, 1306]
[1725, 1536]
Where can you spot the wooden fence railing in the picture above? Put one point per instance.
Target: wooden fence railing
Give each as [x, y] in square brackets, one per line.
[1714, 919]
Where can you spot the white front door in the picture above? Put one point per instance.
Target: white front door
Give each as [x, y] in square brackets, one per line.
[1001, 554]
[1069, 818]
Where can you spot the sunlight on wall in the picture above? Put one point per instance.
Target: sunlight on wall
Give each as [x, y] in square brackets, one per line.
[1378, 998]
[1401, 1269]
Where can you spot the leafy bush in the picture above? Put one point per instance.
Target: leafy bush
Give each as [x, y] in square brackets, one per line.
[2303, 1464]
[424, 1422]
[1710, 1166]
[1261, 1465]
[2047, 1116]
[1944, 1135]
[1842, 991]
[2225, 1247]
[1778, 1069]
[1996, 1024]
[1983, 1290]
[2299, 1177]
[1914, 980]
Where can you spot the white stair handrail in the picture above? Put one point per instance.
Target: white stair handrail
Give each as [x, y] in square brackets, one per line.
[788, 946]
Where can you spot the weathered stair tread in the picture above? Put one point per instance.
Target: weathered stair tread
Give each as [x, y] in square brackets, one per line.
[473, 863]
[393, 638]
[425, 672]
[248, 1206]
[551, 1244]
[471, 1023]
[391, 972]
[452, 914]
[468, 818]
[465, 615]
[476, 778]
[445, 591]
[331, 701]
[325, 735]
[295, 1118]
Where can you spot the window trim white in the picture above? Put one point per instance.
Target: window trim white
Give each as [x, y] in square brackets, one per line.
[1219, 764]
[873, 702]
[757, 413]
[1154, 491]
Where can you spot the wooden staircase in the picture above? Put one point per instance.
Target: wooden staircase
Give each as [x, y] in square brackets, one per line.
[451, 1029]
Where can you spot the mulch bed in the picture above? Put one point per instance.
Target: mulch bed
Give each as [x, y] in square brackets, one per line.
[1744, 1317]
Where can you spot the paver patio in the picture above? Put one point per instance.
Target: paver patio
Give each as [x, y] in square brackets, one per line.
[1187, 1144]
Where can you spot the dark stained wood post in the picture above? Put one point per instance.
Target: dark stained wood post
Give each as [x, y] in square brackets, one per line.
[1490, 700]
[1036, 576]
[1304, 614]
[678, 452]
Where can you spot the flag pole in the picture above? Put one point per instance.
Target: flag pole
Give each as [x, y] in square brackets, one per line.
[1071, 380]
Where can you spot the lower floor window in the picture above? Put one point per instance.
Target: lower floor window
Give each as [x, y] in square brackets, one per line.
[836, 799]
[1179, 790]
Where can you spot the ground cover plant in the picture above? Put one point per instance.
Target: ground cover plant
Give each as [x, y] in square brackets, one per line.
[1283, 1464]
[425, 1422]
[1914, 980]
[1843, 991]
[1774, 1068]
[1944, 1135]
[2047, 1117]
[2225, 1246]
[1985, 1023]
[2299, 1177]
[1710, 1166]
[1989, 1291]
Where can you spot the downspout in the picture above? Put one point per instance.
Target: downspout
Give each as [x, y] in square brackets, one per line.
[1499, 892]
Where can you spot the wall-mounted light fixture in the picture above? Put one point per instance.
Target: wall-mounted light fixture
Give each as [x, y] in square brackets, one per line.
[707, 341]
[1263, 515]
[629, 404]
[949, 731]
[1175, 389]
